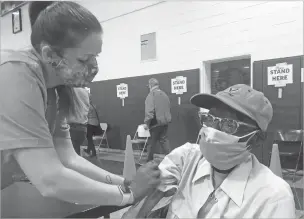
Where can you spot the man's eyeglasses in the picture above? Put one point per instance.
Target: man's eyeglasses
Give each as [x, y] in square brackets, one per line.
[229, 126]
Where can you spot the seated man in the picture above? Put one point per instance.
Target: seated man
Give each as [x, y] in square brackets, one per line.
[220, 178]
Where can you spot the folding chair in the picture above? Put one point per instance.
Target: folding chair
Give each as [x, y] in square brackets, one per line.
[286, 140]
[104, 127]
[141, 137]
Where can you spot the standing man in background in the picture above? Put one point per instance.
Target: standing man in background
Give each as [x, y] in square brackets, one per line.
[157, 118]
[93, 128]
[78, 124]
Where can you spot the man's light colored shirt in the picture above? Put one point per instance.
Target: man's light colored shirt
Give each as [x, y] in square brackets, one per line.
[251, 190]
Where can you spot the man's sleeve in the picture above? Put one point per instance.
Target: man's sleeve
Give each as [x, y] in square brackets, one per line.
[172, 167]
[283, 208]
[22, 112]
[149, 109]
[171, 173]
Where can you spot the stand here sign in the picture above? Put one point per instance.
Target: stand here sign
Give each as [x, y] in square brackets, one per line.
[179, 85]
[280, 75]
[122, 91]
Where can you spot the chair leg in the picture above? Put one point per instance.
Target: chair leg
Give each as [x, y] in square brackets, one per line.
[99, 145]
[135, 135]
[298, 161]
[107, 143]
[297, 197]
[143, 149]
[293, 178]
[141, 155]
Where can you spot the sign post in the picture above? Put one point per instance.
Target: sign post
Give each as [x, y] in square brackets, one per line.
[280, 75]
[179, 86]
[122, 92]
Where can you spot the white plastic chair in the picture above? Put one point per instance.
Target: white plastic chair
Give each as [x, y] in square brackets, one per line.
[141, 137]
[104, 127]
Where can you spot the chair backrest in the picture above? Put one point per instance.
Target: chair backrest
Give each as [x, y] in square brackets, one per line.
[289, 141]
[104, 126]
[289, 135]
[142, 133]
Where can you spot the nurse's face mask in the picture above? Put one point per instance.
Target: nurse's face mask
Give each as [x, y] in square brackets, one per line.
[224, 139]
[78, 66]
[77, 72]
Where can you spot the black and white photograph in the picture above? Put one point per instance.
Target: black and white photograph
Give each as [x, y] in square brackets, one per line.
[152, 109]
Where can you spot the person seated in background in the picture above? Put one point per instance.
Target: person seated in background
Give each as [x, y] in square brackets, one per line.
[219, 177]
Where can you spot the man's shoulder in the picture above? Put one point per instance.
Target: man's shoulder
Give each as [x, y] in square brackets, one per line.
[163, 92]
[160, 95]
[187, 150]
[194, 148]
[264, 182]
[186, 155]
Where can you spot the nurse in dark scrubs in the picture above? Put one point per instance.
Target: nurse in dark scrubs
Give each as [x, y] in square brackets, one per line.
[36, 96]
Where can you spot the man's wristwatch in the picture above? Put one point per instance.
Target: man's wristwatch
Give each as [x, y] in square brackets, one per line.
[127, 195]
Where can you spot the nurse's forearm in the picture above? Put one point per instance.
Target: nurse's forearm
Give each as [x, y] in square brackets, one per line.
[73, 187]
[72, 160]
[88, 169]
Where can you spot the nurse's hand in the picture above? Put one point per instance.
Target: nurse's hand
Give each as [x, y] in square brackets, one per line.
[146, 179]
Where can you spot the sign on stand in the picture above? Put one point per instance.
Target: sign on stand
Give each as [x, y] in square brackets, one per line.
[122, 92]
[179, 86]
[279, 76]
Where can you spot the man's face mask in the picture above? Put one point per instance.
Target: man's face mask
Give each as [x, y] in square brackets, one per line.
[79, 75]
[222, 150]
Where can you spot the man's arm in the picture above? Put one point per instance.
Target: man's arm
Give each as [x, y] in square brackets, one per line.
[149, 109]
[171, 167]
[282, 208]
[171, 170]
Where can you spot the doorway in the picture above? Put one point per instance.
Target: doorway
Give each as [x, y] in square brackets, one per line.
[227, 73]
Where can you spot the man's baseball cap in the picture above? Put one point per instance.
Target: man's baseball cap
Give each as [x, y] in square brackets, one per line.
[153, 82]
[242, 98]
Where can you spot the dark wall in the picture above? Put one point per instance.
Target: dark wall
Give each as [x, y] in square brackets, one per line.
[288, 110]
[124, 120]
